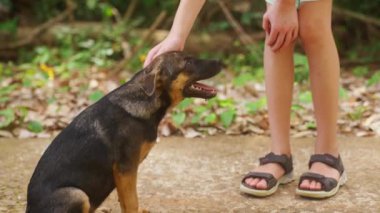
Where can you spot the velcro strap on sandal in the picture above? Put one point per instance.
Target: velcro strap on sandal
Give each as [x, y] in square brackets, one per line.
[283, 160]
[329, 160]
[269, 178]
[327, 183]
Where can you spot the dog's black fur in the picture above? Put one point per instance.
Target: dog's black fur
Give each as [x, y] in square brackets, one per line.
[103, 146]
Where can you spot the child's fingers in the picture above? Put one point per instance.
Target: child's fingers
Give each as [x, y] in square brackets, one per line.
[152, 53]
[288, 39]
[272, 37]
[279, 42]
[266, 24]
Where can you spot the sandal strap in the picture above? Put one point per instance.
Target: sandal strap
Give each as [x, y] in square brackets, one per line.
[327, 183]
[329, 160]
[269, 178]
[283, 160]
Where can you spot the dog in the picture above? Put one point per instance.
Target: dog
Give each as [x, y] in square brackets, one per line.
[102, 147]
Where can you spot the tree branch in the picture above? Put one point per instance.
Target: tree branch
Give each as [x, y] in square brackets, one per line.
[160, 18]
[131, 8]
[243, 36]
[358, 16]
[41, 28]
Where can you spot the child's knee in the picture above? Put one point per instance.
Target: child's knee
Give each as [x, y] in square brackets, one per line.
[314, 33]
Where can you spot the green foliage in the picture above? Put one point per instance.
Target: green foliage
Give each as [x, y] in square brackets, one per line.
[360, 71]
[227, 117]
[45, 9]
[179, 118]
[78, 51]
[254, 107]
[205, 114]
[7, 116]
[95, 96]
[210, 118]
[301, 68]
[6, 4]
[35, 126]
[9, 26]
[343, 94]
[311, 125]
[5, 70]
[305, 97]
[185, 103]
[199, 112]
[357, 114]
[365, 6]
[100, 10]
[248, 67]
[243, 79]
[297, 107]
[251, 58]
[4, 91]
[374, 79]
[219, 26]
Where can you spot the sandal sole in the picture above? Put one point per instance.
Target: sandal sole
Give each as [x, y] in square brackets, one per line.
[264, 193]
[323, 194]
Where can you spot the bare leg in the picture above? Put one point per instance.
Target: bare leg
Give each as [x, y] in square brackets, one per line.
[279, 77]
[319, 45]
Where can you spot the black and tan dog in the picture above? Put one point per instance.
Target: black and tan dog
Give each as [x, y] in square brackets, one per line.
[103, 146]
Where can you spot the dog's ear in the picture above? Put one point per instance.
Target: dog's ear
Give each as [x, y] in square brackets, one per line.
[148, 81]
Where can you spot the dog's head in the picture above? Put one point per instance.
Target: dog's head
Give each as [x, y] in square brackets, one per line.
[178, 74]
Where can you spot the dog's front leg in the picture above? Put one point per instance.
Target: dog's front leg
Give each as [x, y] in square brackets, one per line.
[126, 186]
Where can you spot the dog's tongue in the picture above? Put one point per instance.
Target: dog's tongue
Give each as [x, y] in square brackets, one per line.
[203, 86]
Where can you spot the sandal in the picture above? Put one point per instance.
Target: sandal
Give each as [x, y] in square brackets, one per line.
[329, 186]
[272, 183]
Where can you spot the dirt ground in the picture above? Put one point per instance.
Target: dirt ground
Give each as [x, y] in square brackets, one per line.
[203, 175]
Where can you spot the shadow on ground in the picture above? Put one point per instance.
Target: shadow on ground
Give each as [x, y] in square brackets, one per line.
[203, 175]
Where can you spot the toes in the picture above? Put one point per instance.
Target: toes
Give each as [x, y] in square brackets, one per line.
[262, 184]
[249, 181]
[252, 181]
[313, 185]
[310, 185]
[305, 184]
[255, 181]
[318, 186]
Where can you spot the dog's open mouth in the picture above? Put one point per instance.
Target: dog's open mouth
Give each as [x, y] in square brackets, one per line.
[199, 90]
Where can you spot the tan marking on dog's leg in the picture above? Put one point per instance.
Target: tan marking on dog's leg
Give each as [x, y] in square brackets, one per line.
[145, 149]
[126, 184]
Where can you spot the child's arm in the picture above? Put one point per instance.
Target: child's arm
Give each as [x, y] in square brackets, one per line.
[184, 19]
[280, 22]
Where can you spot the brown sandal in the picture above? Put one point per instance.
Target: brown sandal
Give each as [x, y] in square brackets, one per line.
[330, 186]
[272, 183]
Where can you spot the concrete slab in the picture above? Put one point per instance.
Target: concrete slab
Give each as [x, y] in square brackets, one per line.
[203, 175]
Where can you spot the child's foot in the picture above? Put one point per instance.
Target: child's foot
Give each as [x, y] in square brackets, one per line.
[272, 168]
[319, 168]
[325, 176]
[273, 171]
